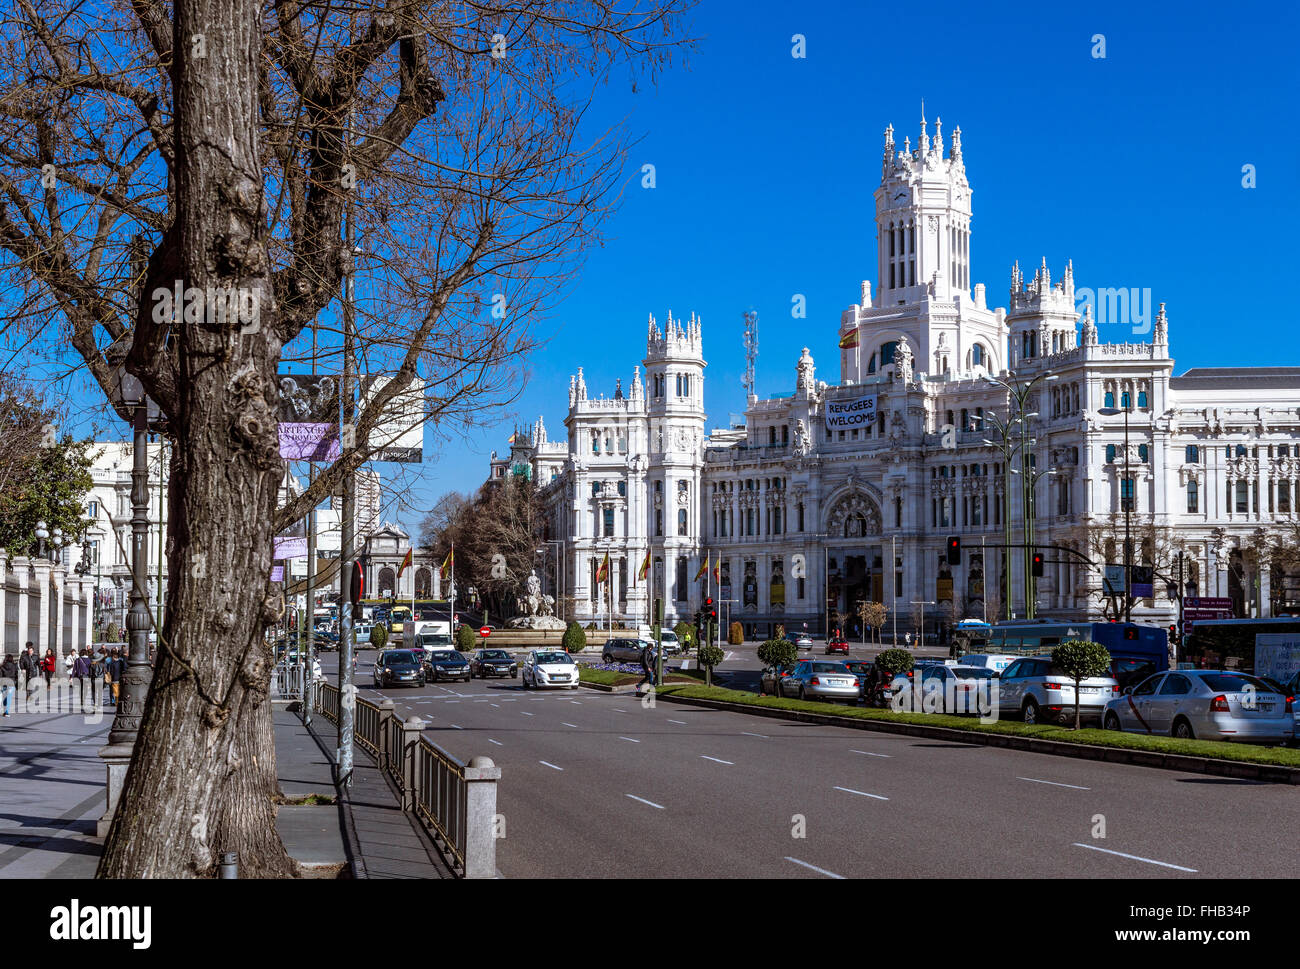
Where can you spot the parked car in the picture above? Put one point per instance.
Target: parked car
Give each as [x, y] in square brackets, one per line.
[1205, 705]
[860, 668]
[819, 680]
[767, 680]
[362, 630]
[1040, 692]
[548, 667]
[955, 689]
[493, 662]
[448, 664]
[625, 650]
[837, 644]
[996, 662]
[394, 666]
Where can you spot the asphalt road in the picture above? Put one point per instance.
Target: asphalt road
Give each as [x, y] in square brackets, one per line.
[596, 785]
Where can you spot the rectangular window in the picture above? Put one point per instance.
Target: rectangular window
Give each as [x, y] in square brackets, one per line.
[92, 510]
[609, 522]
[1242, 504]
[1284, 496]
[659, 521]
[681, 591]
[800, 587]
[1193, 498]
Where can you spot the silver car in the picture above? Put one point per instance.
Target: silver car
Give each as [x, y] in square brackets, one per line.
[821, 680]
[624, 650]
[1205, 705]
[1041, 693]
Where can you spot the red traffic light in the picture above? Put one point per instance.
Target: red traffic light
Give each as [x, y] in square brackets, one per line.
[708, 602]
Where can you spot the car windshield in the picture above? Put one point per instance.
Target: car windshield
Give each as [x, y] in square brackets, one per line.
[829, 668]
[496, 654]
[971, 672]
[448, 656]
[405, 656]
[554, 658]
[1234, 682]
[858, 666]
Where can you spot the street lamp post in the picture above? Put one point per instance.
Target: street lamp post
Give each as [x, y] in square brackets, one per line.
[135, 679]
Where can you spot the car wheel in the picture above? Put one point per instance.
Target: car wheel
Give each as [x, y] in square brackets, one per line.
[607, 658]
[1183, 730]
[1029, 713]
[1112, 722]
[802, 694]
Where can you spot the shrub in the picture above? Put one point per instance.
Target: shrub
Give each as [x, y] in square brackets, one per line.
[1079, 659]
[894, 661]
[778, 652]
[464, 637]
[575, 640]
[710, 656]
[114, 633]
[685, 634]
[378, 635]
[736, 634]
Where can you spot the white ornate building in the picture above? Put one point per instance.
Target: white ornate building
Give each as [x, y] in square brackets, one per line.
[802, 516]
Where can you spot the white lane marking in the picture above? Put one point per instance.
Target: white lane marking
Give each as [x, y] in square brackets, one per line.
[1149, 861]
[1035, 780]
[682, 722]
[820, 871]
[550, 765]
[578, 702]
[453, 701]
[497, 742]
[568, 724]
[629, 738]
[456, 726]
[497, 705]
[526, 713]
[617, 710]
[746, 733]
[849, 790]
[644, 801]
[509, 699]
[716, 760]
[868, 753]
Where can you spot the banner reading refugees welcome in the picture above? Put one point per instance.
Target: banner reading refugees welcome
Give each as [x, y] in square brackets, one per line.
[849, 413]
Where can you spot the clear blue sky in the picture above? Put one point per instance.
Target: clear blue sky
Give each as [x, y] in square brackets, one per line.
[765, 164]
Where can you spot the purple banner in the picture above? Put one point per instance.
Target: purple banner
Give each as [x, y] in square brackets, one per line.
[310, 442]
[290, 547]
[277, 573]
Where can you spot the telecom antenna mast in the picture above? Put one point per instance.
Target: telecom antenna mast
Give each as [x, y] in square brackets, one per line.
[751, 350]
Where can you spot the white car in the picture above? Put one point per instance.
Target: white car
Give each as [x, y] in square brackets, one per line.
[996, 662]
[1205, 705]
[549, 667]
[803, 641]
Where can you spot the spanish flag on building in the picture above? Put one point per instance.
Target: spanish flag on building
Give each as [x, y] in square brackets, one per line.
[602, 573]
[851, 339]
[449, 563]
[704, 566]
[645, 566]
[717, 571]
[405, 562]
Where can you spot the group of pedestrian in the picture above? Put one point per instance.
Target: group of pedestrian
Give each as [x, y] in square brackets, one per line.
[93, 673]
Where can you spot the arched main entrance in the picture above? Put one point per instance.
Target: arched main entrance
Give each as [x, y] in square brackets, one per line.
[386, 584]
[854, 560]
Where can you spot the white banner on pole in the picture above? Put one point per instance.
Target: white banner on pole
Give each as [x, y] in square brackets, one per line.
[854, 412]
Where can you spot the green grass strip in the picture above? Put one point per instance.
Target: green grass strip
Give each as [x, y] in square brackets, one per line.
[1092, 737]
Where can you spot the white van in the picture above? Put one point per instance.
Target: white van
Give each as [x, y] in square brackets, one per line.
[996, 662]
[667, 638]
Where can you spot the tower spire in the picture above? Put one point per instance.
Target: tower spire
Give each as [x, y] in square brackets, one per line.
[924, 143]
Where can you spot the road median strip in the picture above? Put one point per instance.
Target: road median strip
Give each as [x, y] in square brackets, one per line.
[1274, 764]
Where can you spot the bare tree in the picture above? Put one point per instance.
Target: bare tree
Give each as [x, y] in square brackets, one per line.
[212, 151]
[1157, 546]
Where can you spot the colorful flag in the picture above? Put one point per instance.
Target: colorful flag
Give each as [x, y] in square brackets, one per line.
[405, 562]
[704, 567]
[851, 339]
[717, 572]
[645, 566]
[602, 573]
[449, 563]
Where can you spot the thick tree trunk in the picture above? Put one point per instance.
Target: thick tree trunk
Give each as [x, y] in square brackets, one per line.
[203, 772]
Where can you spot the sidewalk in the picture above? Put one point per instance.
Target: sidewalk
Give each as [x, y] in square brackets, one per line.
[53, 794]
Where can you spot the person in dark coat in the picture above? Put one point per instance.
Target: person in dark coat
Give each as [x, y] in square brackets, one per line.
[8, 683]
[30, 667]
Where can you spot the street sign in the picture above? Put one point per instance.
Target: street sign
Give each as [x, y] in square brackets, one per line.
[485, 632]
[1208, 602]
[1113, 582]
[1140, 585]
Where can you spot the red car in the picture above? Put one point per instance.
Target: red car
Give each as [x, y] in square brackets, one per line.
[837, 645]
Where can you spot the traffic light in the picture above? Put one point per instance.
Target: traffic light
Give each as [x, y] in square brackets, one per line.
[954, 550]
[710, 610]
[1173, 633]
[1037, 568]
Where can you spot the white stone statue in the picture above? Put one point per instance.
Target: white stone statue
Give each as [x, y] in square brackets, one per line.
[903, 361]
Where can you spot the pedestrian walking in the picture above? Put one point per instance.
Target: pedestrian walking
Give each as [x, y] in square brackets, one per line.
[48, 666]
[98, 676]
[116, 667]
[31, 668]
[69, 665]
[81, 667]
[648, 665]
[8, 683]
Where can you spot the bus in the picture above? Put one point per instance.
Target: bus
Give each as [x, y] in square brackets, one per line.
[1135, 651]
[1265, 647]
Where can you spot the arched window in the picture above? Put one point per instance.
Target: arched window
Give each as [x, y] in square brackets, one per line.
[1110, 398]
[1110, 454]
[1142, 399]
[871, 364]
[965, 419]
[977, 355]
[1193, 499]
[887, 353]
[1143, 453]
[681, 521]
[1126, 400]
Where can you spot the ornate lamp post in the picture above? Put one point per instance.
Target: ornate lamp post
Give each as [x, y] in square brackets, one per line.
[135, 680]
